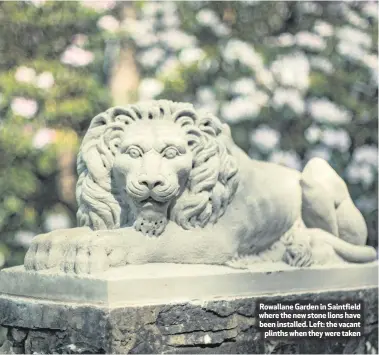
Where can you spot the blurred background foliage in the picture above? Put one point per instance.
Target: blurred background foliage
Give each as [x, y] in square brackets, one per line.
[293, 79]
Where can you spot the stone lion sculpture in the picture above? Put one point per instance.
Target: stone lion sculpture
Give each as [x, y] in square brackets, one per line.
[161, 182]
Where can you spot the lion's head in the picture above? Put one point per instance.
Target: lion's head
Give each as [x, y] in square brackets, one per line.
[156, 161]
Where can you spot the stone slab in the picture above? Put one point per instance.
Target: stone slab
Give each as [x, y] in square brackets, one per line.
[217, 326]
[175, 309]
[167, 283]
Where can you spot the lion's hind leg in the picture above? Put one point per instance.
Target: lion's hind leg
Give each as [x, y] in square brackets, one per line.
[326, 203]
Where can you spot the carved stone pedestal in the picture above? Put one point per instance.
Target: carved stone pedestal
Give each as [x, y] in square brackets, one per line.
[168, 308]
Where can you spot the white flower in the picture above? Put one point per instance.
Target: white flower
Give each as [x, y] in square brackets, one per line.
[176, 39]
[24, 238]
[366, 203]
[57, 221]
[141, 32]
[364, 165]
[239, 109]
[45, 80]
[99, 5]
[205, 94]
[207, 17]
[243, 86]
[323, 28]
[370, 9]
[366, 154]
[360, 173]
[289, 97]
[260, 98]
[338, 139]
[150, 9]
[310, 41]
[151, 57]
[285, 40]
[325, 111]
[170, 21]
[79, 40]
[264, 77]
[44, 137]
[237, 50]
[286, 158]
[246, 89]
[149, 88]
[309, 7]
[354, 36]
[221, 30]
[24, 107]
[189, 56]
[351, 50]
[354, 18]
[38, 3]
[292, 70]
[322, 64]
[371, 61]
[265, 138]
[319, 151]
[108, 23]
[251, 2]
[148, 40]
[77, 56]
[167, 13]
[25, 75]
[312, 134]
[169, 8]
[207, 100]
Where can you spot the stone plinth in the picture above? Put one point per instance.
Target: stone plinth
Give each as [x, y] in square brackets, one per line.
[169, 308]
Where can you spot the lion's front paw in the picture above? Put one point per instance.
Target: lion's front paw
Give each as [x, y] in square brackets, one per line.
[86, 257]
[76, 250]
[151, 225]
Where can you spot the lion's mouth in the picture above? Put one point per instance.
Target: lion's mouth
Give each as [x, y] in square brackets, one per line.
[152, 201]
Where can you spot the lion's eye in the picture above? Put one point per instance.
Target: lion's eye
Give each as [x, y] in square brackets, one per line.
[134, 152]
[170, 153]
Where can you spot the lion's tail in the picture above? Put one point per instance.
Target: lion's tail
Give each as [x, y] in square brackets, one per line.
[349, 252]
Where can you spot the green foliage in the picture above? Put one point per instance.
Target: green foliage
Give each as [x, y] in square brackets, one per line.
[33, 144]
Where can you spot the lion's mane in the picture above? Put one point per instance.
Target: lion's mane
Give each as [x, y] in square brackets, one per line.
[211, 185]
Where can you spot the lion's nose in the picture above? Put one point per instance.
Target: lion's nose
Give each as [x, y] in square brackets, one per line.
[151, 183]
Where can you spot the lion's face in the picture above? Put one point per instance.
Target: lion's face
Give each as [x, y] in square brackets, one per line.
[151, 169]
[146, 163]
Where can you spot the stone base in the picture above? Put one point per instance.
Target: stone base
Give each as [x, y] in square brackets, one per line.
[174, 309]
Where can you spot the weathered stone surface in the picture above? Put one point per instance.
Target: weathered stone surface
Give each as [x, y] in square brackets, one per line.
[166, 283]
[215, 326]
[3, 335]
[162, 319]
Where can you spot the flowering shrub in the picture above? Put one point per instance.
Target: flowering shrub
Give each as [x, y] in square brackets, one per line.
[295, 80]
[51, 85]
